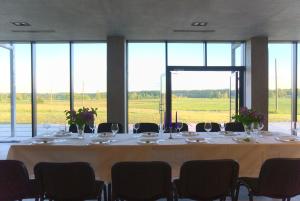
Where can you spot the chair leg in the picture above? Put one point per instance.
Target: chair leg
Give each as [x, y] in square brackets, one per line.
[237, 192]
[105, 193]
[109, 192]
[250, 196]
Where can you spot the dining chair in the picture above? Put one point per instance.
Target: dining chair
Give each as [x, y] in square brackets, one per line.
[215, 127]
[279, 178]
[147, 127]
[68, 181]
[73, 128]
[185, 128]
[207, 180]
[15, 183]
[234, 126]
[141, 181]
[106, 128]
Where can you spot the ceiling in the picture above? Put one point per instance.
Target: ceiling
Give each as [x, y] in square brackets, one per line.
[149, 19]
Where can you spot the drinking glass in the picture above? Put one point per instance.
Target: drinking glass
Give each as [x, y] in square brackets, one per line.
[179, 126]
[114, 128]
[93, 127]
[260, 127]
[222, 127]
[207, 127]
[136, 127]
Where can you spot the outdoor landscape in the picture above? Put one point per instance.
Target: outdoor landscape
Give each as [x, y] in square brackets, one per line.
[192, 106]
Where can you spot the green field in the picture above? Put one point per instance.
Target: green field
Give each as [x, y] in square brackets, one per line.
[140, 110]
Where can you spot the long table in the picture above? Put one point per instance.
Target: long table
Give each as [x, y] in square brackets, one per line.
[250, 156]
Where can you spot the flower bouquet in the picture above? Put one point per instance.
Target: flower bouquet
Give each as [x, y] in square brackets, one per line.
[83, 116]
[248, 117]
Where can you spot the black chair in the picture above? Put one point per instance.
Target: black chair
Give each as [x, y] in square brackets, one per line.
[68, 181]
[106, 127]
[234, 126]
[279, 178]
[207, 180]
[185, 128]
[15, 183]
[147, 127]
[73, 128]
[141, 181]
[215, 127]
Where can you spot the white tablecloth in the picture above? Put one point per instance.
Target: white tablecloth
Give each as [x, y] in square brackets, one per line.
[176, 151]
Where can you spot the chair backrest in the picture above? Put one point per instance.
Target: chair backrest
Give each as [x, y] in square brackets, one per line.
[148, 127]
[234, 126]
[185, 127]
[73, 128]
[106, 127]
[215, 127]
[280, 178]
[14, 180]
[207, 179]
[141, 181]
[66, 181]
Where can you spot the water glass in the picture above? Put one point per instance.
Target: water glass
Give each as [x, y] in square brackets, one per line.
[179, 126]
[136, 127]
[114, 128]
[222, 127]
[207, 127]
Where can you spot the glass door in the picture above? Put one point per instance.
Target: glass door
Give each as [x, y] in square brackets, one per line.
[204, 96]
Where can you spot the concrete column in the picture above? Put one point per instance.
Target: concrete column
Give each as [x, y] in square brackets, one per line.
[116, 80]
[257, 79]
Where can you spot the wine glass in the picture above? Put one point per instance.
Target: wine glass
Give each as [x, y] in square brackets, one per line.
[136, 127]
[222, 127]
[114, 128]
[93, 127]
[179, 126]
[207, 126]
[260, 127]
[170, 131]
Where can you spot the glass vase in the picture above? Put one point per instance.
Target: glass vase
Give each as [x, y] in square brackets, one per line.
[80, 129]
[247, 128]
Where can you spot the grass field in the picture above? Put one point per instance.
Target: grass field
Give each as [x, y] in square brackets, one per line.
[141, 110]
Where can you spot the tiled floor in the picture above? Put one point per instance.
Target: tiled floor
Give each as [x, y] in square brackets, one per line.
[4, 147]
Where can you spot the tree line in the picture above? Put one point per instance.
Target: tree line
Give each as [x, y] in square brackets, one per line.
[209, 93]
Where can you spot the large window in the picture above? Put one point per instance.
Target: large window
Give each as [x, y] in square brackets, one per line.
[4, 92]
[23, 89]
[280, 68]
[90, 77]
[53, 85]
[146, 66]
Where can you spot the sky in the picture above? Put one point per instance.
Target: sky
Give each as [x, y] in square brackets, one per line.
[146, 65]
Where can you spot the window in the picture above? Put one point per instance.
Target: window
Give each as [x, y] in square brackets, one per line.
[280, 68]
[90, 77]
[219, 54]
[185, 54]
[146, 66]
[23, 89]
[53, 86]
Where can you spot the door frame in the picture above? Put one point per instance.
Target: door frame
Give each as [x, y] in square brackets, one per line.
[240, 81]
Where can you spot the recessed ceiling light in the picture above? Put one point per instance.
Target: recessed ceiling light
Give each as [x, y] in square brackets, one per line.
[21, 24]
[199, 24]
